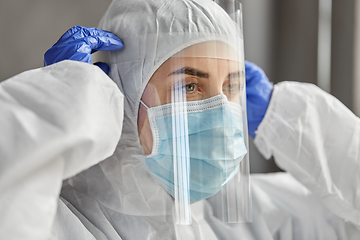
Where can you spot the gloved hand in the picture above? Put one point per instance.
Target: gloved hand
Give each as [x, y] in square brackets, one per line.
[78, 43]
[258, 94]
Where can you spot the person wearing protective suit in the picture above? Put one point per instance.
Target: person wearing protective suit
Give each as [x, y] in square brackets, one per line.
[61, 121]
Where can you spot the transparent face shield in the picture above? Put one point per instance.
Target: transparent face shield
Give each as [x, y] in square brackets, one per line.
[193, 129]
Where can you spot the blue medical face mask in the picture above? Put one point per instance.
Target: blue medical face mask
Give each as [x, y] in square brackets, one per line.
[213, 141]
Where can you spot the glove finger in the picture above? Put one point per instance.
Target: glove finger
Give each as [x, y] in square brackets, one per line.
[69, 33]
[104, 43]
[78, 33]
[79, 42]
[103, 66]
[99, 32]
[97, 39]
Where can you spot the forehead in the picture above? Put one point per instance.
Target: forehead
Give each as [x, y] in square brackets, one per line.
[211, 49]
[208, 56]
[216, 67]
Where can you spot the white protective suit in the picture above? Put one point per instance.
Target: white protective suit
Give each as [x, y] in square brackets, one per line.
[60, 120]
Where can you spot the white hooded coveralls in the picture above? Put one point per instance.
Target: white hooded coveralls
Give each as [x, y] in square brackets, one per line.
[311, 135]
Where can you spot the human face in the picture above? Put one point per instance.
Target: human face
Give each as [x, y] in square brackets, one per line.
[199, 72]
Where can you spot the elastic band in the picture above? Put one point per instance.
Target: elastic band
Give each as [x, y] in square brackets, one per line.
[144, 104]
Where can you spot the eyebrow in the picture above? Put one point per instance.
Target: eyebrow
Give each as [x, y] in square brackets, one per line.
[192, 72]
[201, 74]
[237, 74]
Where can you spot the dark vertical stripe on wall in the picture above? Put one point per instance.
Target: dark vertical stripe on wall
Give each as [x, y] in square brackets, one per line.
[297, 41]
[342, 59]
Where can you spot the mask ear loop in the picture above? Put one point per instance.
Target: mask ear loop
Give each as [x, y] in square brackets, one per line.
[144, 104]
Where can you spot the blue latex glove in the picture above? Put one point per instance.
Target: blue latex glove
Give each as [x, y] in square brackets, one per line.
[78, 43]
[258, 94]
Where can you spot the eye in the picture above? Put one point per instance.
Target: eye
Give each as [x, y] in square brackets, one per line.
[190, 87]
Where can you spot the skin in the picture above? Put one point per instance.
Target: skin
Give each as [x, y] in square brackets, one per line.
[199, 72]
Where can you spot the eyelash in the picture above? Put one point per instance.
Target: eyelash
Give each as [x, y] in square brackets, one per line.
[236, 86]
[184, 85]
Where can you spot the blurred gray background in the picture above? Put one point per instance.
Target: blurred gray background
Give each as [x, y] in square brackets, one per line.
[316, 41]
